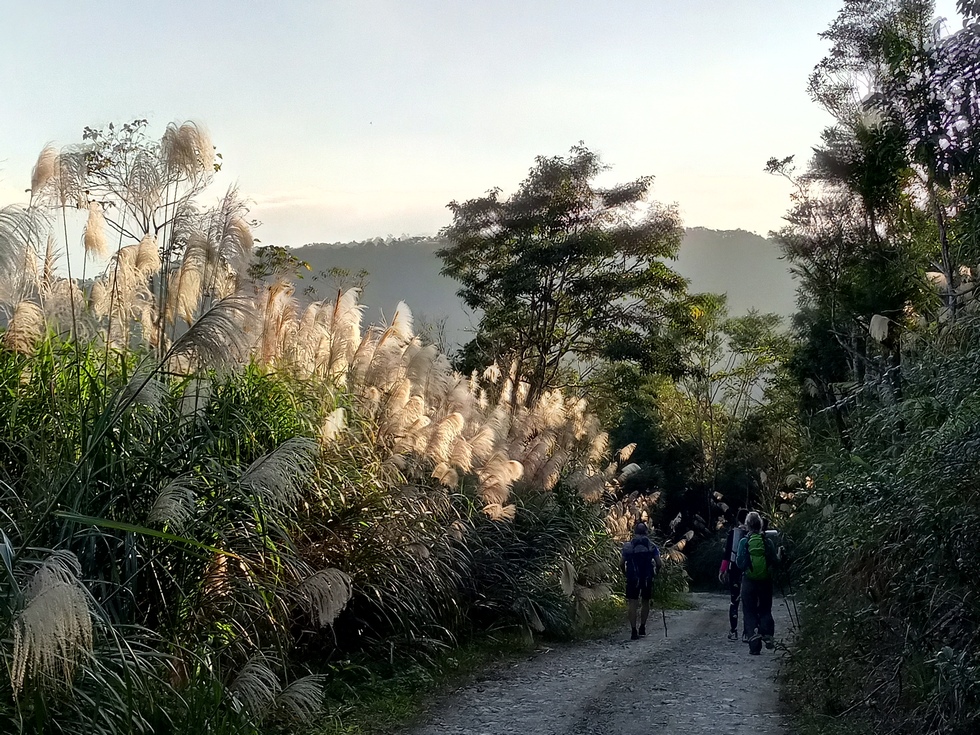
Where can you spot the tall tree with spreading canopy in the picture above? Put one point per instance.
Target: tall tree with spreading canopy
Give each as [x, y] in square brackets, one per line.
[565, 273]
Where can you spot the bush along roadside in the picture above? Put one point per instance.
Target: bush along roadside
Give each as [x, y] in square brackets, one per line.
[887, 548]
[215, 500]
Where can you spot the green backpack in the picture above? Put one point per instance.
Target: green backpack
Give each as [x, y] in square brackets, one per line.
[758, 562]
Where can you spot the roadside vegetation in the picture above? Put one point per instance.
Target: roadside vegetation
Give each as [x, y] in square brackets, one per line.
[883, 236]
[229, 510]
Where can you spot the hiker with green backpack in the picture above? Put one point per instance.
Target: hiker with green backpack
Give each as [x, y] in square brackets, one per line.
[757, 557]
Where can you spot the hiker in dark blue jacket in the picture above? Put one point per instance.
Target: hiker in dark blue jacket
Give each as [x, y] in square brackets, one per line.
[757, 558]
[640, 563]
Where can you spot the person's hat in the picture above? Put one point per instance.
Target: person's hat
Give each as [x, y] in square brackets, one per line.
[641, 529]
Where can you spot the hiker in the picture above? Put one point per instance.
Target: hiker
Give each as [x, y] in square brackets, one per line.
[731, 576]
[641, 562]
[757, 558]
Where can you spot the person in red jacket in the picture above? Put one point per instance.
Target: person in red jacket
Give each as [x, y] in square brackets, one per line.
[730, 575]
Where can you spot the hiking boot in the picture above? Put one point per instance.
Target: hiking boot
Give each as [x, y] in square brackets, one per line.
[634, 636]
[769, 641]
[755, 653]
[733, 635]
[755, 644]
[643, 630]
[745, 636]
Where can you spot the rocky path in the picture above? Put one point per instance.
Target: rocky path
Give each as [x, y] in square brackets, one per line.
[691, 682]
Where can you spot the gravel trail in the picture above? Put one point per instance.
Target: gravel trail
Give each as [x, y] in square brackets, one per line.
[691, 682]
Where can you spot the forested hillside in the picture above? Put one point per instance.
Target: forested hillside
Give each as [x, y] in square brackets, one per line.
[746, 267]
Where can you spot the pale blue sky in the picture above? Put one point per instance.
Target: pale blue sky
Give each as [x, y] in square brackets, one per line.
[348, 120]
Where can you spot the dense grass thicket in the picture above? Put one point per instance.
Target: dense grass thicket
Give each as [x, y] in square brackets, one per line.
[890, 553]
[215, 504]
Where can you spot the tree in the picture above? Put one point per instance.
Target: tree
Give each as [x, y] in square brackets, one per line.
[565, 273]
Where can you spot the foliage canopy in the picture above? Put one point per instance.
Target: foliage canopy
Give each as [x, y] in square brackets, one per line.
[567, 270]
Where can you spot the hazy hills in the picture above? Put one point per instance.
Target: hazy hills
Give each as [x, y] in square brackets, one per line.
[743, 265]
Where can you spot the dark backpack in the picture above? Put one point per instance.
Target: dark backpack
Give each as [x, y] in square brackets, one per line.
[737, 535]
[639, 559]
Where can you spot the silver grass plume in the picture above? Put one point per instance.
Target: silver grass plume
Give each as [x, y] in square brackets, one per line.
[393, 419]
[279, 310]
[44, 170]
[63, 299]
[25, 328]
[174, 505]
[54, 630]
[96, 244]
[18, 230]
[498, 512]
[256, 686]
[50, 266]
[345, 329]
[185, 290]
[523, 389]
[332, 426]
[461, 454]
[442, 436]
[497, 476]
[70, 172]
[626, 452]
[219, 337]
[302, 700]
[549, 475]
[278, 477]
[492, 373]
[445, 474]
[568, 577]
[236, 244]
[599, 447]
[401, 323]
[148, 260]
[187, 149]
[421, 364]
[325, 595]
[144, 388]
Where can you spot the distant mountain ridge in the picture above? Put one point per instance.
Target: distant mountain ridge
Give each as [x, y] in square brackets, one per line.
[742, 264]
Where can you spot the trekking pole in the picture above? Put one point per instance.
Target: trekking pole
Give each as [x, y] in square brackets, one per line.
[663, 614]
[792, 595]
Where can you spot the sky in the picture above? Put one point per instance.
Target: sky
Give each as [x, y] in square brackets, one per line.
[344, 121]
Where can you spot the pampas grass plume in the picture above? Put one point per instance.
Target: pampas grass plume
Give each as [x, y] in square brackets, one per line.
[148, 256]
[333, 424]
[45, 169]
[174, 506]
[54, 630]
[303, 698]
[325, 594]
[25, 328]
[257, 686]
[96, 244]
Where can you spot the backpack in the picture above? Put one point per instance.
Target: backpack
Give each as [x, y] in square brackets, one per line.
[758, 558]
[638, 555]
[737, 535]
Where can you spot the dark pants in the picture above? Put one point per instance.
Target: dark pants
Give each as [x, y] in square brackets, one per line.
[735, 587]
[757, 609]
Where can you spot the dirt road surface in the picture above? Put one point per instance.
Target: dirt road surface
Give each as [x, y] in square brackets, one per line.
[693, 681]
